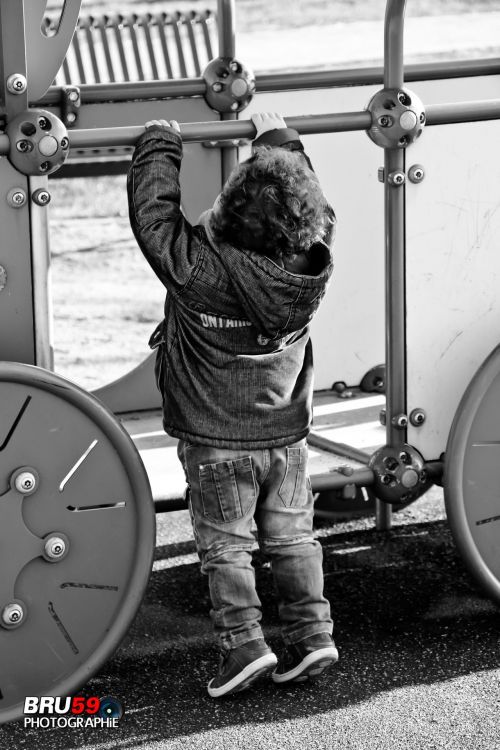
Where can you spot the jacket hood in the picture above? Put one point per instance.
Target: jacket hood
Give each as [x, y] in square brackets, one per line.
[277, 301]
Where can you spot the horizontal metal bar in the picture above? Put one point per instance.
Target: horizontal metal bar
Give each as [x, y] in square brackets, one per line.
[93, 93]
[340, 449]
[129, 91]
[268, 82]
[446, 114]
[320, 482]
[228, 130]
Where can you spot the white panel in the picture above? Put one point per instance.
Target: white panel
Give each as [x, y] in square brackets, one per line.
[453, 271]
[348, 331]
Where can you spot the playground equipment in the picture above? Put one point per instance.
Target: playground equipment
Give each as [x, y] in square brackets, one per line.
[77, 520]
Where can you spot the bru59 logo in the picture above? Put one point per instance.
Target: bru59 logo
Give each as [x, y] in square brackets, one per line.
[47, 711]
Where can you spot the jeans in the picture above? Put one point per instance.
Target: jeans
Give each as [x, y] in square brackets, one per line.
[227, 490]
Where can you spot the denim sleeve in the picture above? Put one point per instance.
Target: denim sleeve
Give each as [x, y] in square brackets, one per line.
[165, 237]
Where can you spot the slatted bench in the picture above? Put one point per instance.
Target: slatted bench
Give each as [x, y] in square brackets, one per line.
[133, 47]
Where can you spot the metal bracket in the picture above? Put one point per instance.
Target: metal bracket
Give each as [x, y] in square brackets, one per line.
[237, 142]
[70, 105]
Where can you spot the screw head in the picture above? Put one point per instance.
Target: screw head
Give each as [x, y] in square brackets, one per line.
[24, 146]
[12, 615]
[64, 143]
[17, 83]
[73, 96]
[397, 178]
[25, 482]
[416, 173]
[70, 118]
[16, 198]
[41, 197]
[55, 548]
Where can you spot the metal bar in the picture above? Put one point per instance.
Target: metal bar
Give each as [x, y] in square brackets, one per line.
[228, 130]
[178, 42]
[446, 114]
[102, 25]
[131, 20]
[393, 44]
[319, 483]
[144, 22]
[340, 449]
[117, 22]
[160, 20]
[78, 56]
[226, 26]
[12, 55]
[206, 33]
[383, 515]
[40, 263]
[192, 43]
[395, 295]
[125, 91]
[87, 25]
[268, 82]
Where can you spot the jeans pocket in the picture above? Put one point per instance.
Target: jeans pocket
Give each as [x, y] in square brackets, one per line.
[294, 489]
[228, 489]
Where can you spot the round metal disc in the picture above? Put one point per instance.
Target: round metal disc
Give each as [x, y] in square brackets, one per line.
[472, 476]
[75, 552]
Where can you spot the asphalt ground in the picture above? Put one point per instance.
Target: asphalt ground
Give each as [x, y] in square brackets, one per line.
[419, 653]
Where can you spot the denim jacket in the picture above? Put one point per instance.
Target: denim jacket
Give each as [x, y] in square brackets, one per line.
[234, 362]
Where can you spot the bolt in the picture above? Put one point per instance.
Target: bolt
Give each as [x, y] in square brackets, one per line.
[44, 123]
[73, 96]
[17, 83]
[25, 482]
[397, 179]
[70, 118]
[385, 479]
[400, 421]
[422, 117]
[391, 463]
[416, 173]
[385, 121]
[405, 458]
[234, 66]
[55, 548]
[417, 417]
[16, 198]
[12, 614]
[24, 146]
[44, 166]
[217, 87]
[64, 143]
[41, 197]
[235, 105]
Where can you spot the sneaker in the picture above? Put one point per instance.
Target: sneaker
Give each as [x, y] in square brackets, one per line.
[308, 658]
[241, 666]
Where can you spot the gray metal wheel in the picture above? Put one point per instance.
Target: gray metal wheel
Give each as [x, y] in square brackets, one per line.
[472, 476]
[77, 534]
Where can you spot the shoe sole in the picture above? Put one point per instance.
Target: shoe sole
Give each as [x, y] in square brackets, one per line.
[245, 678]
[312, 665]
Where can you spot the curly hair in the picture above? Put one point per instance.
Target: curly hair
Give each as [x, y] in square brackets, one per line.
[272, 204]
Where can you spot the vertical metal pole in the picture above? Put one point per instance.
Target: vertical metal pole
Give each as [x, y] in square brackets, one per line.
[40, 264]
[395, 296]
[227, 46]
[17, 339]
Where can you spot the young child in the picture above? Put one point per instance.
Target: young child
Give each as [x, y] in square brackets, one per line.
[234, 367]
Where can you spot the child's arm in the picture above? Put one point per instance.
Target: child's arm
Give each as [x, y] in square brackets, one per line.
[165, 237]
